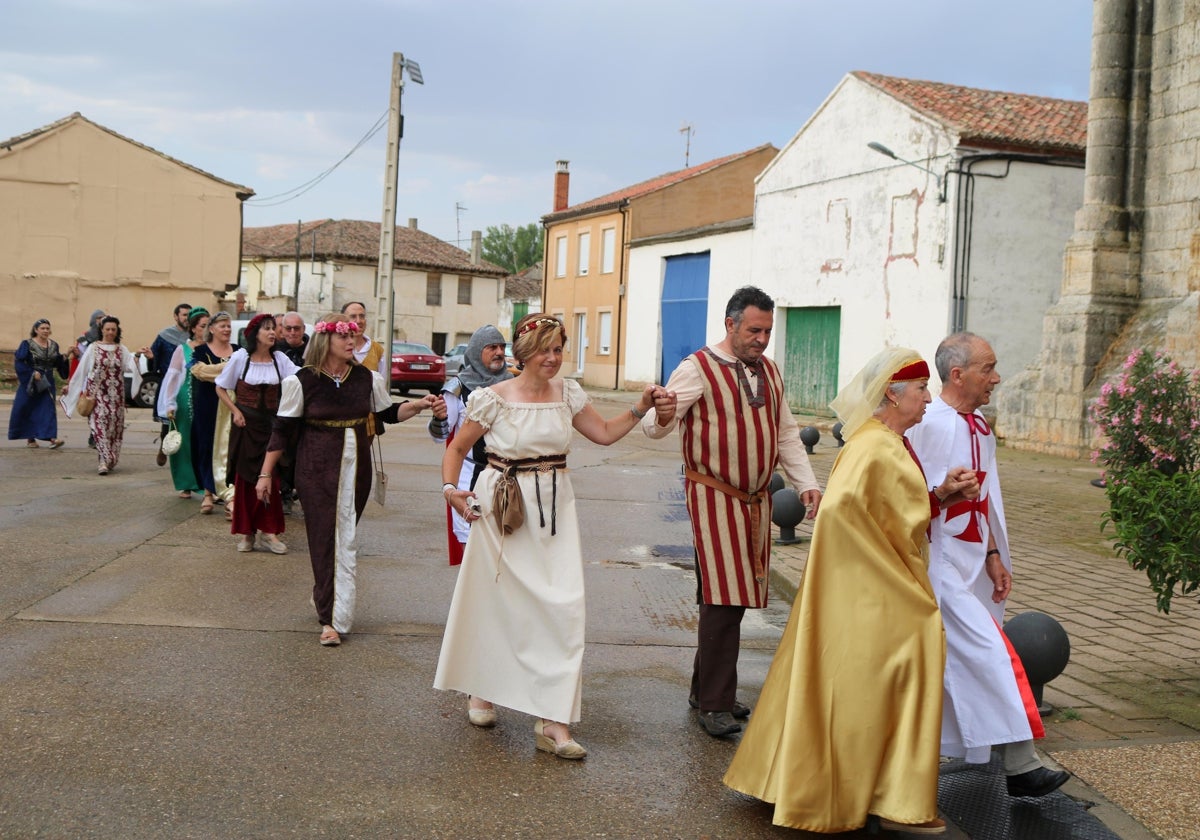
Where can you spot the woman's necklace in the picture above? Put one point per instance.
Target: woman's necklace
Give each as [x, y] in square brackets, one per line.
[336, 377]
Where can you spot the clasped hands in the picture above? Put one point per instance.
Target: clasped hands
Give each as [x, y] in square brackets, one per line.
[960, 484]
[661, 400]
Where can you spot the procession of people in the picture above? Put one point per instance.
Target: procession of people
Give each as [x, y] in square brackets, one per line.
[909, 535]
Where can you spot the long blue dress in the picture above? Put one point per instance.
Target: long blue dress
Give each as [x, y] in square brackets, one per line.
[34, 417]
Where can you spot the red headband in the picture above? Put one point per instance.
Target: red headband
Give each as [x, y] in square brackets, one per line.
[538, 322]
[914, 370]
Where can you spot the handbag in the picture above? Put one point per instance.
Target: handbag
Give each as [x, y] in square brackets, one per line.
[172, 440]
[381, 479]
[507, 503]
[86, 404]
[37, 386]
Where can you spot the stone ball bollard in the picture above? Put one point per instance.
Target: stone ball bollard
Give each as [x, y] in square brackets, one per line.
[837, 433]
[787, 511]
[1044, 649]
[776, 484]
[809, 436]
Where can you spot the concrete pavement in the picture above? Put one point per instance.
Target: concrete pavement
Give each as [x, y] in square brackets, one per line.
[132, 639]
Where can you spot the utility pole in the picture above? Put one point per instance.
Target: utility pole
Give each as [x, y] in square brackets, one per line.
[385, 291]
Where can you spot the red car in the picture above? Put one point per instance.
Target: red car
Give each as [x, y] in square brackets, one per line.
[416, 366]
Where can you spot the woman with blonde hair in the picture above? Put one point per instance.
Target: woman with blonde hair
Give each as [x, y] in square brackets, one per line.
[514, 635]
[847, 729]
[329, 412]
[211, 436]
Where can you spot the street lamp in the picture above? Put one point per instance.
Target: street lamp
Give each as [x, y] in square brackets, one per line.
[886, 152]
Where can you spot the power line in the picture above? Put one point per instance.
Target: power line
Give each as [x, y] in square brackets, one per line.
[296, 192]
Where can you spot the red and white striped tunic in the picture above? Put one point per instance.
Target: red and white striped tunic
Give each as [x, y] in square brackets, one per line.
[732, 435]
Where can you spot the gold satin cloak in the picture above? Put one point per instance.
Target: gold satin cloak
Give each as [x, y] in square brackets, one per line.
[849, 719]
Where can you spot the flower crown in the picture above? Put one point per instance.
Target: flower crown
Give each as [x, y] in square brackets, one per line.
[339, 327]
[539, 322]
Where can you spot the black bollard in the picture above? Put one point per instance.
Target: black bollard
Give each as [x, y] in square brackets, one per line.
[1044, 649]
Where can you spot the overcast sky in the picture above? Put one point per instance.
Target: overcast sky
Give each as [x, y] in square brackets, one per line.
[271, 93]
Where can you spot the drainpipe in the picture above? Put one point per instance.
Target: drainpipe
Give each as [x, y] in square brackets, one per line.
[620, 290]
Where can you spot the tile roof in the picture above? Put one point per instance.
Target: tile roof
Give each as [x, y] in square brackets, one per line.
[243, 192]
[524, 285]
[356, 241]
[993, 119]
[651, 185]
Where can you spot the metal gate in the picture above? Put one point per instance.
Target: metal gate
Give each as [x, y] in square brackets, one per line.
[810, 367]
[684, 310]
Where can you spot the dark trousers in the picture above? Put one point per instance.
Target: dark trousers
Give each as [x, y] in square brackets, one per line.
[714, 673]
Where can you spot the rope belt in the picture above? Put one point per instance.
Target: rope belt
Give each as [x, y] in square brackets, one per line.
[754, 500]
[509, 467]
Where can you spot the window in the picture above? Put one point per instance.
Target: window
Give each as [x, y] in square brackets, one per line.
[282, 281]
[585, 247]
[605, 347]
[464, 289]
[608, 250]
[433, 289]
[560, 257]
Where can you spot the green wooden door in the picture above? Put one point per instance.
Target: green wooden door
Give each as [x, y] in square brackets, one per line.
[810, 363]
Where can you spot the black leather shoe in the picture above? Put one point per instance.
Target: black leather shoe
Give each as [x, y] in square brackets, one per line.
[717, 724]
[740, 710]
[1037, 782]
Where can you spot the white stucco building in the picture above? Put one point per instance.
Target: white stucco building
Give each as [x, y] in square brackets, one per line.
[861, 250]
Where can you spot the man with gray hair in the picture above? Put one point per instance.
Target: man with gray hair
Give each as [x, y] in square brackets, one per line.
[483, 365]
[293, 340]
[986, 697]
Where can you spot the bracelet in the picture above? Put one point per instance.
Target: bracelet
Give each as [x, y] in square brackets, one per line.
[934, 491]
[266, 475]
[633, 409]
[990, 552]
[448, 488]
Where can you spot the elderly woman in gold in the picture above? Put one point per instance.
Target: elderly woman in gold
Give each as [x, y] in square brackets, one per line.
[847, 729]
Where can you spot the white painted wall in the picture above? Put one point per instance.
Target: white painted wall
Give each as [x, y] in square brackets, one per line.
[413, 320]
[837, 224]
[729, 269]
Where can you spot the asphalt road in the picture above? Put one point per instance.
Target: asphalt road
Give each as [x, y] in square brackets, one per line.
[154, 683]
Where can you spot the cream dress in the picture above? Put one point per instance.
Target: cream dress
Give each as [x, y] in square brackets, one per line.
[514, 635]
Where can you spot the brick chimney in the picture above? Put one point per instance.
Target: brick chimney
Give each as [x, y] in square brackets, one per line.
[562, 181]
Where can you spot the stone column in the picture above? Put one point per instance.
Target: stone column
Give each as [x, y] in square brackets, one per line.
[1044, 407]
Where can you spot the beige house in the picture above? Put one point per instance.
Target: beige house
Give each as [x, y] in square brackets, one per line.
[589, 281]
[90, 220]
[442, 293]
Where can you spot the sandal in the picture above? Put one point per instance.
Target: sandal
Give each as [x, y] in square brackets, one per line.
[185, 494]
[33, 444]
[57, 443]
[229, 511]
[330, 637]
[206, 507]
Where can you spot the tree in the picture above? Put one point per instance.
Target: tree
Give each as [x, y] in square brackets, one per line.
[514, 249]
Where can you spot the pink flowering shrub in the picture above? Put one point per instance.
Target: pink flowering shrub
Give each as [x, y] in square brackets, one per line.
[1150, 419]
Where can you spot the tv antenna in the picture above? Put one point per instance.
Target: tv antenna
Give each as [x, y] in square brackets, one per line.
[459, 209]
[688, 130]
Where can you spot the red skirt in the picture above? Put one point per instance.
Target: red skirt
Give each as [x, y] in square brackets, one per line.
[250, 514]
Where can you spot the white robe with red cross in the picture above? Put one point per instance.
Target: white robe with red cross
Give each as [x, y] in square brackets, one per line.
[982, 706]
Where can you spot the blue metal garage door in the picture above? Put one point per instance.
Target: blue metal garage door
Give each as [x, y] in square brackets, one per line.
[684, 309]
